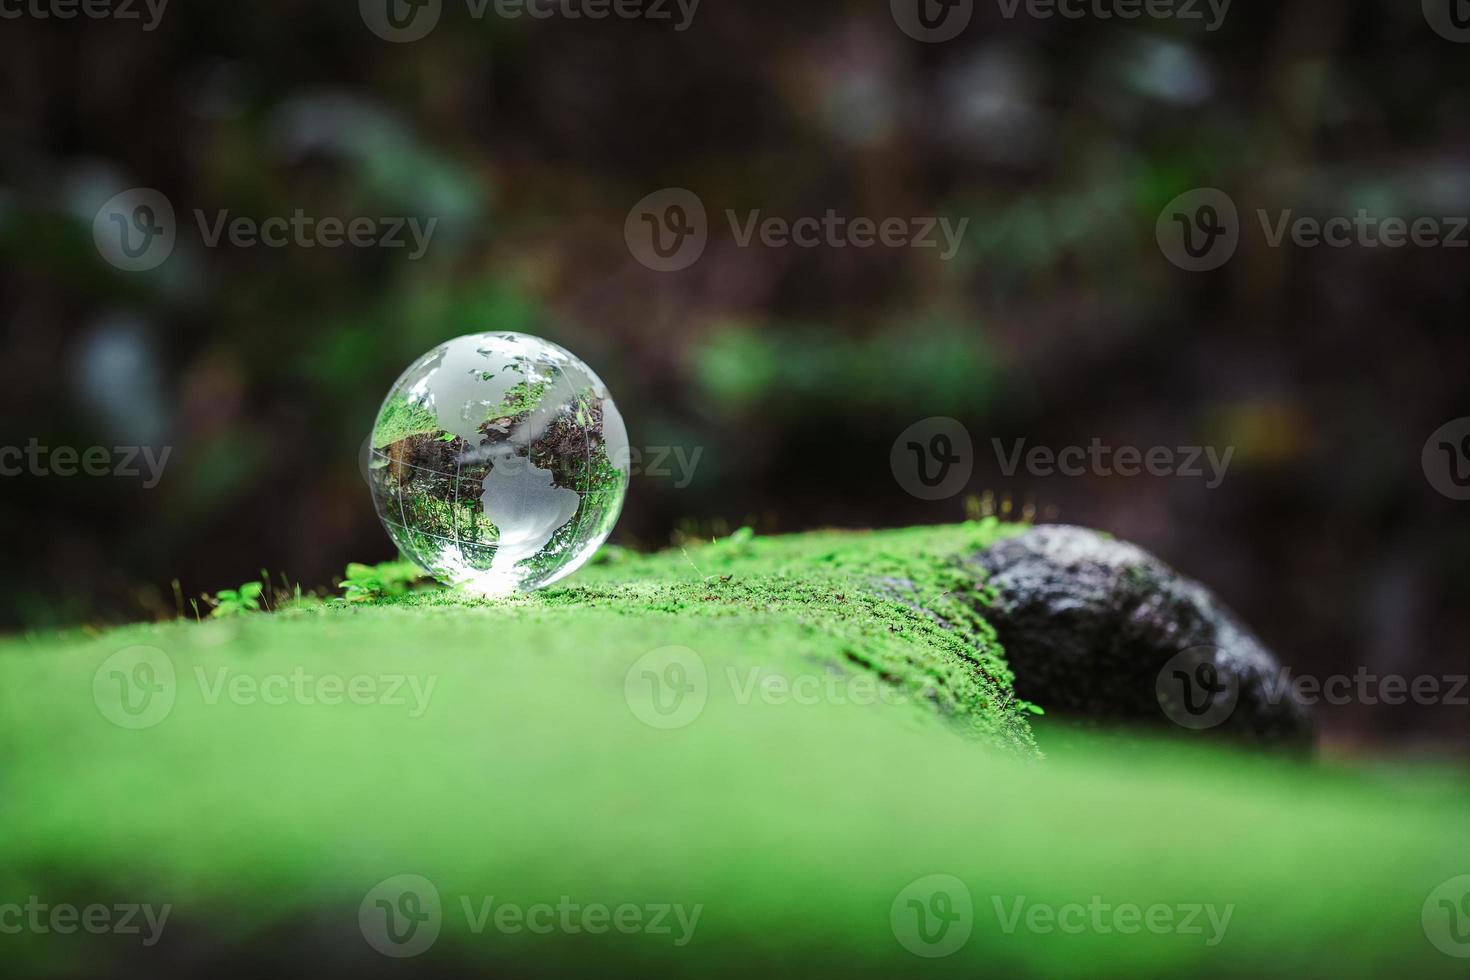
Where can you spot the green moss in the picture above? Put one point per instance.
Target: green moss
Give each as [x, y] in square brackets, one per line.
[791, 809]
[897, 604]
[401, 418]
[520, 398]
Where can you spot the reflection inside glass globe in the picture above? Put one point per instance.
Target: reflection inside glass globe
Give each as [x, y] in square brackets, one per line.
[498, 462]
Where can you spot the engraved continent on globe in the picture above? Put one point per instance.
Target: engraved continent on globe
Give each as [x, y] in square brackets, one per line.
[498, 462]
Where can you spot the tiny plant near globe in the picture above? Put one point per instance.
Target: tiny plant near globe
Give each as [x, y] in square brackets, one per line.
[498, 462]
[238, 602]
[365, 583]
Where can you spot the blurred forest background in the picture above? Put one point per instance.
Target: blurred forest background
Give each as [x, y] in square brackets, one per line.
[790, 370]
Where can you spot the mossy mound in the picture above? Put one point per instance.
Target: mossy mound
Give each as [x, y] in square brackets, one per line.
[854, 735]
[896, 608]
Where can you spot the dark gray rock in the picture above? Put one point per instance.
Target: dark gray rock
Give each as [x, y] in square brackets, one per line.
[1098, 628]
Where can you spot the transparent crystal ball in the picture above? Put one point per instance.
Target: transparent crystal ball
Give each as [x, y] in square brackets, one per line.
[498, 462]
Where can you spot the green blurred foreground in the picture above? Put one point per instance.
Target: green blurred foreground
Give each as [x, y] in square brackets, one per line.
[746, 758]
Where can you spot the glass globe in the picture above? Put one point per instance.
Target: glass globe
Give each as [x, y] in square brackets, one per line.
[498, 462]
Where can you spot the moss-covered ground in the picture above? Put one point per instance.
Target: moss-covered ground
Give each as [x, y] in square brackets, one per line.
[787, 733]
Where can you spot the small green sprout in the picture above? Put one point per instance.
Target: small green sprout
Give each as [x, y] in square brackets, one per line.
[384, 580]
[238, 602]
